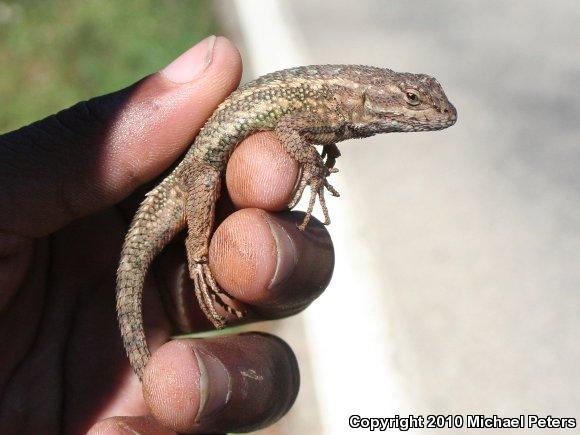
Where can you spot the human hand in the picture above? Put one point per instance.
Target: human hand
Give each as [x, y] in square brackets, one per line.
[68, 187]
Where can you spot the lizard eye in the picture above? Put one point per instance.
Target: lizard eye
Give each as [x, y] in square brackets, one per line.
[412, 97]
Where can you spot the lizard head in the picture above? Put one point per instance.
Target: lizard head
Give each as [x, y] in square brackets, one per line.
[407, 102]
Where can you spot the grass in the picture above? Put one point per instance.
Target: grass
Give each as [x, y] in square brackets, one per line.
[55, 53]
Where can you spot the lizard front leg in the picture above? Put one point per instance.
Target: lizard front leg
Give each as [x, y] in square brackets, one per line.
[203, 193]
[294, 131]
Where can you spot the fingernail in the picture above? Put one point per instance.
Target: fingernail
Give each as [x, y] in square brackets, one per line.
[191, 63]
[215, 385]
[286, 254]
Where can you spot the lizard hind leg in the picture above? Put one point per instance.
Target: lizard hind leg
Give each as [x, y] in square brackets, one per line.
[202, 196]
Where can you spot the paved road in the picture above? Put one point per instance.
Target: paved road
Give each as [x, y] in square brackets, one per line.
[473, 233]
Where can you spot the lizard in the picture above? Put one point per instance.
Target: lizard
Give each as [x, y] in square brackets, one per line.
[304, 106]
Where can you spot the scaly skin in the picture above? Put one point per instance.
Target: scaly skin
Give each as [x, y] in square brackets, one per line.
[304, 106]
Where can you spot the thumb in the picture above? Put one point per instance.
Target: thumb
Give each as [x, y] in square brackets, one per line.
[94, 154]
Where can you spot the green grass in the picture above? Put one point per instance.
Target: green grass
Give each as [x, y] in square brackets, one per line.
[54, 53]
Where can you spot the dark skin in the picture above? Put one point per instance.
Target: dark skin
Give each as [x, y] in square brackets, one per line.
[68, 187]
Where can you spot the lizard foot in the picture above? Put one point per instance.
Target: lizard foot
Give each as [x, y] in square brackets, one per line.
[207, 292]
[314, 175]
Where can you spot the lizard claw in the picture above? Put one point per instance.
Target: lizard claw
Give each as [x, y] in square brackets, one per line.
[208, 292]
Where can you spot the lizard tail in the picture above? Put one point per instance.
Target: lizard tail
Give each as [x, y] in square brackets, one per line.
[159, 218]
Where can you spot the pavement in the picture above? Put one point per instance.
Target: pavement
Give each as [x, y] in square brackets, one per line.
[459, 250]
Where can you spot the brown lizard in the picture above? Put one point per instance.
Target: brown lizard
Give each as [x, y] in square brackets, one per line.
[304, 106]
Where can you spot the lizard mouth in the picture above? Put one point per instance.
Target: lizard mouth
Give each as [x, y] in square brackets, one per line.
[446, 118]
[415, 124]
